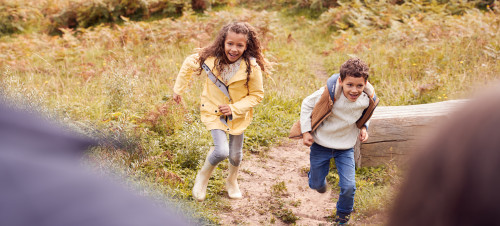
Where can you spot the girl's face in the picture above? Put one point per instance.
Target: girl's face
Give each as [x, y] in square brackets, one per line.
[234, 45]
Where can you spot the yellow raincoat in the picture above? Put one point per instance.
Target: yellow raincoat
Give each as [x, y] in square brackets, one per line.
[243, 99]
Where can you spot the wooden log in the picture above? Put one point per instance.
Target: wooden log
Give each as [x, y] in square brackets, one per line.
[395, 131]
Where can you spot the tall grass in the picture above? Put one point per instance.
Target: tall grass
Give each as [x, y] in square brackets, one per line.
[425, 60]
[115, 80]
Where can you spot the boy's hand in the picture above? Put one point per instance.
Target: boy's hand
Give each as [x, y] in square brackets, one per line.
[225, 109]
[177, 98]
[363, 134]
[307, 139]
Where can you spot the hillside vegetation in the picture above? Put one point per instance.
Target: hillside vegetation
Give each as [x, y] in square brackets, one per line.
[111, 74]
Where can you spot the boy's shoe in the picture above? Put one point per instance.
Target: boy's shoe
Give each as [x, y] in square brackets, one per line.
[322, 190]
[342, 218]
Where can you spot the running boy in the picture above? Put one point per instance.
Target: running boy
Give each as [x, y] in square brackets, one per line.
[336, 131]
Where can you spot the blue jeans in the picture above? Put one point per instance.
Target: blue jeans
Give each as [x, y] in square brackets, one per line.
[320, 165]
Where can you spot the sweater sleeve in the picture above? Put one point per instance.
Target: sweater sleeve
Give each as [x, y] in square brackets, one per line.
[183, 77]
[254, 97]
[367, 123]
[305, 111]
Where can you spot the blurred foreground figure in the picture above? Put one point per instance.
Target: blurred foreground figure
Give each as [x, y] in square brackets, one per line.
[454, 180]
[42, 183]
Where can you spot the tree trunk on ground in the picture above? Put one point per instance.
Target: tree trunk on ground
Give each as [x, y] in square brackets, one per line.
[397, 131]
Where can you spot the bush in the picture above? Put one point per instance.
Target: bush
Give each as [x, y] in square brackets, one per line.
[15, 18]
[166, 118]
[85, 14]
[359, 14]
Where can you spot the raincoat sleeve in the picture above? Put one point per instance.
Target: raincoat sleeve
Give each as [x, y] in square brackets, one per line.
[254, 97]
[189, 66]
[306, 109]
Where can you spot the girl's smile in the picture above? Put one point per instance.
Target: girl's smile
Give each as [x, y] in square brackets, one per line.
[235, 45]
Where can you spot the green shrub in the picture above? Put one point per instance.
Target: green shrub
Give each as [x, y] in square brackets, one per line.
[287, 216]
[279, 189]
[16, 18]
[84, 14]
[166, 118]
[361, 15]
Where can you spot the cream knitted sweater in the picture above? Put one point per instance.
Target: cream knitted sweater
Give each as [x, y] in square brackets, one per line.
[339, 130]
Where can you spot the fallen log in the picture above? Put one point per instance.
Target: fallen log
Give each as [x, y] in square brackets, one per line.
[395, 131]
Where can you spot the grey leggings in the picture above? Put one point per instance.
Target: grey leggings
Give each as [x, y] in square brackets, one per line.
[222, 149]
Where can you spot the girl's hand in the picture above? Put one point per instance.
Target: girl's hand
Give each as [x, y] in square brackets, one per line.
[225, 109]
[363, 134]
[177, 98]
[307, 139]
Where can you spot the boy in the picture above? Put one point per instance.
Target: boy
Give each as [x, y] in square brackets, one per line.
[335, 134]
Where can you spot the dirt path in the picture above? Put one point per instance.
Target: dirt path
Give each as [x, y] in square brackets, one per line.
[265, 198]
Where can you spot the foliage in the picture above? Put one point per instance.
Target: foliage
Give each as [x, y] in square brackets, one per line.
[309, 8]
[166, 118]
[272, 120]
[374, 188]
[278, 205]
[279, 189]
[17, 18]
[88, 13]
[113, 82]
[286, 215]
[346, 13]
[378, 14]
[52, 15]
[423, 57]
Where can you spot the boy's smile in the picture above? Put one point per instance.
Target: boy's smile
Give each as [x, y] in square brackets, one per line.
[352, 87]
[234, 45]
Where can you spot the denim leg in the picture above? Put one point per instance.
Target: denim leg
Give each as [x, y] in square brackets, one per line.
[344, 160]
[235, 149]
[320, 165]
[221, 147]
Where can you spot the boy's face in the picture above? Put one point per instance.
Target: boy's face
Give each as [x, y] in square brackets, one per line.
[234, 45]
[352, 87]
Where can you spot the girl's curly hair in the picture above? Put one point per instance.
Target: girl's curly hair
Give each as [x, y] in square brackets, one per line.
[216, 49]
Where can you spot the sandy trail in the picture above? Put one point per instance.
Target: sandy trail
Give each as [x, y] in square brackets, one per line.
[259, 173]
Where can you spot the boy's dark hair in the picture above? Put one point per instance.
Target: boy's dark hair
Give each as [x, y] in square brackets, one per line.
[354, 67]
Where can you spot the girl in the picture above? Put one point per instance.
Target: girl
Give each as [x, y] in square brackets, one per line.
[236, 60]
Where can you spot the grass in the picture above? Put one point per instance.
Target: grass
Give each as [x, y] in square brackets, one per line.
[278, 206]
[114, 81]
[375, 189]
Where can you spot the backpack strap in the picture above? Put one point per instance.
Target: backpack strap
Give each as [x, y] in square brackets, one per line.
[368, 112]
[330, 85]
[222, 87]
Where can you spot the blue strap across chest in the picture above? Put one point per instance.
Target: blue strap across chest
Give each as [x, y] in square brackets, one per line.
[330, 85]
